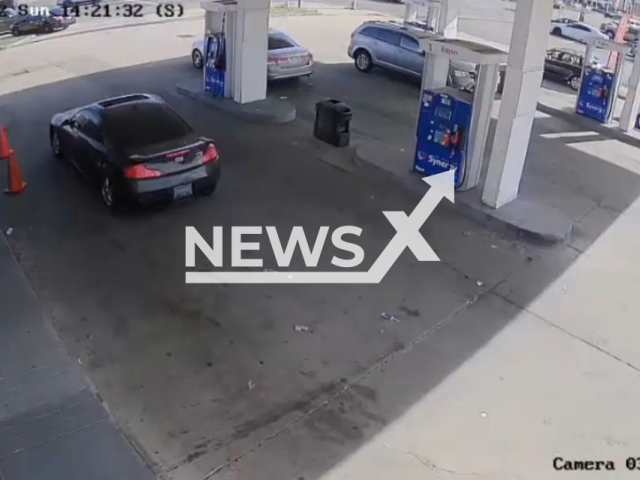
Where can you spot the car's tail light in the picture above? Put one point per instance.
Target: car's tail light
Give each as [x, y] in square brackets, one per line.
[271, 60]
[211, 155]
[140, 171]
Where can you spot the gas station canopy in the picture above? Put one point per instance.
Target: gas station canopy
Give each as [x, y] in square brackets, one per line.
[220, 6]
[464, 50]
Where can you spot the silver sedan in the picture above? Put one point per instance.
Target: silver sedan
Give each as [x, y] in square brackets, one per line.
[287, 58]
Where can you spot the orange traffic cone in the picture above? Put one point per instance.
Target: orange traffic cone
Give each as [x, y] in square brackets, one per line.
[5, 149]
[16, 184]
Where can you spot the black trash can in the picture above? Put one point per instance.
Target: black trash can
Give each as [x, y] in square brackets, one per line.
[333, 118]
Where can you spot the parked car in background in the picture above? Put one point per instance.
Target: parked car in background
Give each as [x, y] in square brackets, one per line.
[43, 23]
[614, 15]
[610, 29]
[394, 47]
[563, 20]
[286, 58]
[564, 65]
[578, 31]
[136, 148]
[8, 17]
[73, 3]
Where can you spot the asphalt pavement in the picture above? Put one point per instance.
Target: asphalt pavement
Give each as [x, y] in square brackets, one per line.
[500, 359]
[175, 362]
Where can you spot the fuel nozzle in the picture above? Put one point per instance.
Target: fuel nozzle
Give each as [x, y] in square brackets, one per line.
[456, 138]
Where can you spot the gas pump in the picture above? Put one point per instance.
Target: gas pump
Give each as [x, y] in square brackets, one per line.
[215, 64]
[443, 132]
[453, 124]
[599, 85]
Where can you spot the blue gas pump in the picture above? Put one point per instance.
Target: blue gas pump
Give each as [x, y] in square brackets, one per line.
[443, 132]
[215, 64]
[596, 96]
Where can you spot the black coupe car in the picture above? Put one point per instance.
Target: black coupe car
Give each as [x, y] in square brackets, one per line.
[137, 148]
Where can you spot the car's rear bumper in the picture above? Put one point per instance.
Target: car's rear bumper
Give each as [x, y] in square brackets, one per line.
[350, 49]
[161, 190]
[279, 73]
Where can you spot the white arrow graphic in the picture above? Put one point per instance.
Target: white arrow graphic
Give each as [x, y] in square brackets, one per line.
[407, 236]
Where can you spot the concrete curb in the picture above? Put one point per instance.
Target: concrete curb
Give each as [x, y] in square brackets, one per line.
[524, 219]
[263, 111]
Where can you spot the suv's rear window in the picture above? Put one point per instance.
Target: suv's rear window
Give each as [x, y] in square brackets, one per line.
[278, 43]
[142, 124]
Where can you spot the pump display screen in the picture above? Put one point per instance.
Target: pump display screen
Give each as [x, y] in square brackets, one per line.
[443, 112]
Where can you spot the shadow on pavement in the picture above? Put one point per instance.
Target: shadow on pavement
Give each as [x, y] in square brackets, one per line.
[202, 377]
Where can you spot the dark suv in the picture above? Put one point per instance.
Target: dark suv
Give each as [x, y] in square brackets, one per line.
[565, 65]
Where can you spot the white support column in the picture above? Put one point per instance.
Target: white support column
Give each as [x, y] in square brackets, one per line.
[250, 51]
[410, 12]
[632, 102]
[436, 69]
[435, 72]
[482, 104]
[448, 21]
[519, 101]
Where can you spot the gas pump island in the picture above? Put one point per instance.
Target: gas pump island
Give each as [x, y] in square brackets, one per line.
[453, 125]
[599, 86]
[236, 44]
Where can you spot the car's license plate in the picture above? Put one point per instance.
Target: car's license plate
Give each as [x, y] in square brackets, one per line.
[183, 191]
[297, 61]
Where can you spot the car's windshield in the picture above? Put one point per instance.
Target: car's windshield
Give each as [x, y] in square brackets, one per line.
[141, 124]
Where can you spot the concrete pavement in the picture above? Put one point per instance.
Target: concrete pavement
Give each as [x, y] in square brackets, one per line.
[52, 425]
[506, 354]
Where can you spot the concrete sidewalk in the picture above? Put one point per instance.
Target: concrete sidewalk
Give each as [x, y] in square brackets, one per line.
[52, 425]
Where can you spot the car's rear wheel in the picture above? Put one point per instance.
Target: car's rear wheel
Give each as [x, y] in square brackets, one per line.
[47, 28]
[557, 31]
[574, 82]
[55, 144]
[108, 192]
[15, 31]
[196, 58]
[209, 191]
[363, 61]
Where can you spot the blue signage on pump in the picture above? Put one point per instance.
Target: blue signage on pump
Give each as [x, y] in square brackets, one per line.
[595, 97]
[215, 65]
[443, 131]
